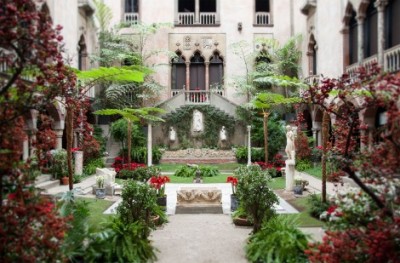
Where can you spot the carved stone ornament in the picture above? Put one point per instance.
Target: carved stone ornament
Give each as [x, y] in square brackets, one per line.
[189, 195]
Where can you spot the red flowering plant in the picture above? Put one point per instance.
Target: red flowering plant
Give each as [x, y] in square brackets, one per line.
[363, 225]
[158, 182]
[234, 181]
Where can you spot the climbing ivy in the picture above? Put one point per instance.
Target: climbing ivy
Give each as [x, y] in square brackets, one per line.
[213, 120]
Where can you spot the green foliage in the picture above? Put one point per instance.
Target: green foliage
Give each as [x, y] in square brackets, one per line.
[190, 171]
[77, 178]
[279, 240]
[254, 194]
[139, 154]
[257, 154]
[98, 135]
[317, 207]
[267, 101]
[119, 130]
[129, 242]
[141, 174]
[214, 119]
[103, 14]
[111, 74]
[302, 165]
[90, 167]
[58, 166]
[147, 113]
[138, 204]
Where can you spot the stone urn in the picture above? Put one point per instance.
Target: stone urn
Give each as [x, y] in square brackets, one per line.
[162, 202]
[100, 193]
[234, 202]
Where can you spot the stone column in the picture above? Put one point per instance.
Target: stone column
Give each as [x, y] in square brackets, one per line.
[319, 137]
[32, 142]
[289, 172]
[207, 75]
[360, 31]
[380, 6]
[315, 131]
[78, 156]
[149, 145]
[197, 12]
[59, 134]
[363, 133]
[187, 76]
[248, 145]
[25, 147]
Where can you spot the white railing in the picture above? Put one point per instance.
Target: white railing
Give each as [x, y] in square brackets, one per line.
[312, 79]
[197, 97]
[131, 18]
[392, 59]
[368, 62]
[262, 18]
[185, 18]
[208, 18]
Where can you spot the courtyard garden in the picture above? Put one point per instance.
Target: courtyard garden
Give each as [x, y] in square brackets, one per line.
[274, 192]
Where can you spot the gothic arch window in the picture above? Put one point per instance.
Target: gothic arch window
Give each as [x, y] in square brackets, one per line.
[197, 72]
[178, 78]
[262, 11]
[312, 54]
[370, 41]
[82, 54]
[353, 38]
[216, 70]
[392, 24]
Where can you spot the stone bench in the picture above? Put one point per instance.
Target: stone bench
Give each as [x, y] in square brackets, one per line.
[199, 200]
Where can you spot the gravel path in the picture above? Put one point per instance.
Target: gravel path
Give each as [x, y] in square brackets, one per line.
[200, 238]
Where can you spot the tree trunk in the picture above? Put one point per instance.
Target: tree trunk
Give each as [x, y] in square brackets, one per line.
[265, 122]
[129, 141]
[325, 135]
[70, 138]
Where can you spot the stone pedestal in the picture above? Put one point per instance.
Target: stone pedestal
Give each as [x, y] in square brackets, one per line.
[78, 155]
[289, 171]
[199, 200]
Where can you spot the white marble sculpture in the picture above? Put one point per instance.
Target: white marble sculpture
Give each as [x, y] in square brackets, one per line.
[197, 121]
[222, 134]
[290, 149]
[172, 134]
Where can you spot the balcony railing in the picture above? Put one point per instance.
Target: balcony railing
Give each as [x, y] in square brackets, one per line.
[188, 18]
[185, 18]
[262, 18]
[175, 92]
[208, 18]
[392, 59]
[197, 97]
[131, 18]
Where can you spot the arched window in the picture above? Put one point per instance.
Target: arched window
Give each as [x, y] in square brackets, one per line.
[370, 40]
[216, 70]
[263, 11]
[392, 24]
[197, 72]
[131, 6]
[178, 78]
[353, 39]
[312, 52]
[82, 54]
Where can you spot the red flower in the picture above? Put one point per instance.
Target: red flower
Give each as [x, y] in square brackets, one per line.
[331, 209]
[158, 183]
[232, 180]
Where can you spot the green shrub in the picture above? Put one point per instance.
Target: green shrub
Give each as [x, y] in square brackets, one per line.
[58, 166]
[119, 131]
[138, 204]
[77, 178]
[317, 207]
[90, 167]
[190, 171]
[141, 174]
[257, 154]
[279, 240]
[139, 154]
[255, 196]
[302, 165]
[98, 135]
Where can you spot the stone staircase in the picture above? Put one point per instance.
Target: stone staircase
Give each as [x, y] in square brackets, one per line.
[45, 182]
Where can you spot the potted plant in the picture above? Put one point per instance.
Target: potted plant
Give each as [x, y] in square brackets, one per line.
[100, 190]
[158, 183]
[234, 200]
[300, 185]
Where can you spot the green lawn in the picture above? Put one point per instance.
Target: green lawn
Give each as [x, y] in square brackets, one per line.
[304, 217]
[277, 183]
[170, 167]
[96, 207]
[315, 171]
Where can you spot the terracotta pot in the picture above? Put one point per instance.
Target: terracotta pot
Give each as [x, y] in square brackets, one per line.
[65, 180]
[241, 221]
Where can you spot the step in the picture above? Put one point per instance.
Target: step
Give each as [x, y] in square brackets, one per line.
[42, 178]
[47, 184]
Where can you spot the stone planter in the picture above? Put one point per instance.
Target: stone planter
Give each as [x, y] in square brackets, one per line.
[241, 221]
[234, 203]
[65, 180]
[298, 189]
[100, 193]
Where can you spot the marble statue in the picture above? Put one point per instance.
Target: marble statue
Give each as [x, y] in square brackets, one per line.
[222, 134]
[172, 134]
[197, 121]
[290, 149]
